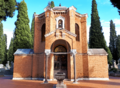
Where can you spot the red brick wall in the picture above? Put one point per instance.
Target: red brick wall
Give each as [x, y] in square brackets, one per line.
[39, 46]
[97, 66]
[86, 66]
[38, 66]
[22, 66]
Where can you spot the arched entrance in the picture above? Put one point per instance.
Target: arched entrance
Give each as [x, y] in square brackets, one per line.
[60, 60]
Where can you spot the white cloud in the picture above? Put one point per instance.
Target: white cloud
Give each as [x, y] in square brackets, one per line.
[106, 28]
[117, 22]
[117, 30]
[9, 36]
[105, 23]
[106, 31]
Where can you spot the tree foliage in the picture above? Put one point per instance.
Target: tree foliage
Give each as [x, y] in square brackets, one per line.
[116, 3]
[1, 48]
[52, 4]
[22, 34]
[113, 37]
[10, 52]
[96, 37]
[7, 8]
[118, 47]
[4, 46]
[32, 31]
[109, 57]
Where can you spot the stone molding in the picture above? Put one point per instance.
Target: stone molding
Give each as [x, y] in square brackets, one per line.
[90, 79]
[81, 15]
[63, 35]
[50, 33]
[63, 20]
[73, 51]
[46, 35]
[48, 8]
[70, 33]
[21, 78]
[72, 7]
[64, 79]
[47, 51]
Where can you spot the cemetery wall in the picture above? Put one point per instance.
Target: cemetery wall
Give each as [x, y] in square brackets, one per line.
[22, 66]
[97, 66]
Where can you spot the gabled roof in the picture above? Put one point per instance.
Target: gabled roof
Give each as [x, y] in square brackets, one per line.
[97, 52]
[24, 51]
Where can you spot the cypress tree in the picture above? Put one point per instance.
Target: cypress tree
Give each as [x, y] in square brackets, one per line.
[113, 37]
[109, 57]
[32, 30]
[4, 47]
[22, 35]
[52, 4]
[10, 51]
[7, 8]
[96, 37]
[1, 39]
[118, 47]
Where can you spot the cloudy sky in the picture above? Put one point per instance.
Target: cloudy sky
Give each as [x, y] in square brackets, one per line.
[105, 9]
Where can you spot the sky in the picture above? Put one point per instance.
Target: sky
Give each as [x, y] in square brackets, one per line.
[105, 9]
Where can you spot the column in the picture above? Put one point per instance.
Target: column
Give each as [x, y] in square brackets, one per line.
[47, 53]
[73, 51]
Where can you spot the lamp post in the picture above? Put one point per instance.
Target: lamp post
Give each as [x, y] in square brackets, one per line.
[47, 53]
[73, 51]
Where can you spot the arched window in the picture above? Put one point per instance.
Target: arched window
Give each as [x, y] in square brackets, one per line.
[43, 33]
[60, 23]
[60, 49]
[77, 32]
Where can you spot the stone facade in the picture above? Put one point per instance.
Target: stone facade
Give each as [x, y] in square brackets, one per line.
[88, 65]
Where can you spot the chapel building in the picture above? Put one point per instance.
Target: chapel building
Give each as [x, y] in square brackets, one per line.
[60, 45]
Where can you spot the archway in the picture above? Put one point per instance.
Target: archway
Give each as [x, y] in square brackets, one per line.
[60, 60]
[61, 55]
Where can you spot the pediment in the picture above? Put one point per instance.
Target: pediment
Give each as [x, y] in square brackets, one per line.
[72, 8]
[63, 33]
[60, 17]
[47, 8]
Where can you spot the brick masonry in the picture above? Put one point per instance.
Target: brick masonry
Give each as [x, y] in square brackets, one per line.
[94, 66]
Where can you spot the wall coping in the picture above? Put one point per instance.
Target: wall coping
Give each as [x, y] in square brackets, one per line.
[15, 78]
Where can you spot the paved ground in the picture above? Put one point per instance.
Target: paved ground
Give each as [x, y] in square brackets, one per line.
[6, 82]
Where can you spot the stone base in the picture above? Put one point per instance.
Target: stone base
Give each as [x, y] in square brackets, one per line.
[60, 86]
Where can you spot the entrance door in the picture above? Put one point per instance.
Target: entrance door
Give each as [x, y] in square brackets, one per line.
[60, 61]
